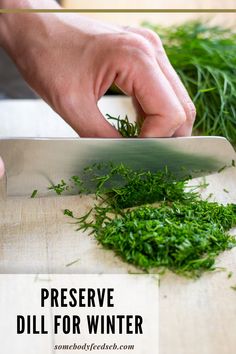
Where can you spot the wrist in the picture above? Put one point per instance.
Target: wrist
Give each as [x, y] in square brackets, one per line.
[21, 30]
[15, 26]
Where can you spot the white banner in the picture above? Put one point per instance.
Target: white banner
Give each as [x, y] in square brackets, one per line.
[43, 314]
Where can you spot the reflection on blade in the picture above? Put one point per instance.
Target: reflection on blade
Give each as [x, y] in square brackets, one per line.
[36, 163]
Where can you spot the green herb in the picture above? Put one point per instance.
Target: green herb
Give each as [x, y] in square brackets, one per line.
[230, 275]
[222, 169]
[75, 182]
[185, 238]
[233, 287]
[209, 196]
[34, 193]
[202, 184]
[208, 73]
[126, 128]
[60, 187]
[124, 187]
[225, 190]
[233, 163]
[69, 213]
[181, 233]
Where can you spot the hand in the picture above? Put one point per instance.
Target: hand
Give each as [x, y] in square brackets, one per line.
[71, 61]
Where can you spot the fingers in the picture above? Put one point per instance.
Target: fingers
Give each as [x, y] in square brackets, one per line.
[162, 110]
[181, 92]
[2, 169]
[164, 113]
[88, 121]
[174, 80]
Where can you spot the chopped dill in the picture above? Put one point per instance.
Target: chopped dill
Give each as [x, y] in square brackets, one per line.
[184, 238]
[34, 193]
[180, 232]
[69, 213]
[60, 187]
[222, 169]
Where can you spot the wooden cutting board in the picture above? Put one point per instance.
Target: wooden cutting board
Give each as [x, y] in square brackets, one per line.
[35, 237]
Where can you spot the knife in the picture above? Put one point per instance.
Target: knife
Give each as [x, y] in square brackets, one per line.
[37, 163]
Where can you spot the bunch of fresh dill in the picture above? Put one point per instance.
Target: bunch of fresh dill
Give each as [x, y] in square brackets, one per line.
[205, 58]
[181, 233]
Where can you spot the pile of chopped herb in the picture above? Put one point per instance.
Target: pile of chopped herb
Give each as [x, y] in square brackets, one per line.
[185, 238]
[180, 232]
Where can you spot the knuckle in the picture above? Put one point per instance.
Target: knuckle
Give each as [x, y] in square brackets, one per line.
[153, 37]
[133, 42]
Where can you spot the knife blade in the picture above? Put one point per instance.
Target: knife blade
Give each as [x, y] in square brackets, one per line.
[36, 163]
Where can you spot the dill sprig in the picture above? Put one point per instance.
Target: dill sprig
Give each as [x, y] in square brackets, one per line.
[126, 128]
[34, 193]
